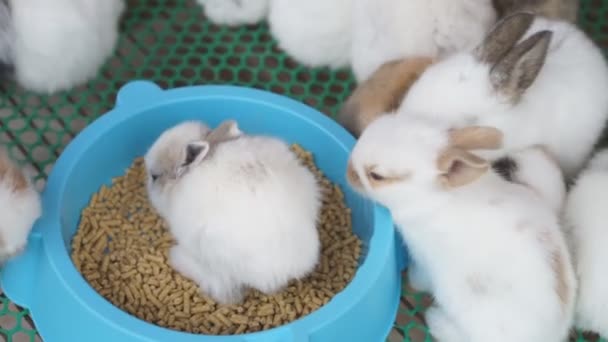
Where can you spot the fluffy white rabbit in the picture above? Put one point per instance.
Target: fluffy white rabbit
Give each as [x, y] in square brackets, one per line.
[243, 209]
[235, 12]
[539, 81]
[60, 44]
[586, 216]
[536, 168]
[21, 207]
[385, 30]
[314, 32]
[494, 254]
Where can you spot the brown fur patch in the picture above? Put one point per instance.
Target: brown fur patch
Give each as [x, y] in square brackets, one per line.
[558, 264]
[11, 174]
[476, 137]
[381, 93]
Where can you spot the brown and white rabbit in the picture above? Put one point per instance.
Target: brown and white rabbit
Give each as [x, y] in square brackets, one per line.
[20, 207]
[381, 93]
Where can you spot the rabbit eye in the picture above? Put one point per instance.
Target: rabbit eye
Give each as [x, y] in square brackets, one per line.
[375, 176]
[154, 177]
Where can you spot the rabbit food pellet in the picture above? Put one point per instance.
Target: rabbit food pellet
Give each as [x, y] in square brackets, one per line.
[121, 248]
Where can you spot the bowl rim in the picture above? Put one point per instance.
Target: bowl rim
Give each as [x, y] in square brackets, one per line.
[130, 104]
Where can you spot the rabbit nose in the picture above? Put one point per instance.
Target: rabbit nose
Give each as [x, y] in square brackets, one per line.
[352, 176]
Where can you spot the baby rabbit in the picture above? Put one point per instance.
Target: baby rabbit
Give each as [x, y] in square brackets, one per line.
[526, 78]
[21, 207]
[586, 216]
[61, 43]
[536, 168]
[380, 93]
[243, 209]
[235, 12]
[553, 9]
[385, 30]
[497, 263]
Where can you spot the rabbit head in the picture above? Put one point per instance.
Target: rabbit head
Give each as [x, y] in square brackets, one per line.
[398, 160]
[492, 77]
[178, 150]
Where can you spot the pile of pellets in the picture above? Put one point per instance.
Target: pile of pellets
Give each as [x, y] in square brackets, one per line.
[121, 249]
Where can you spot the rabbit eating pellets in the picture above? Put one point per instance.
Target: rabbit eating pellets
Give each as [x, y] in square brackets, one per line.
[492, 250]
[587, 216]
[21, 207]
[243, 209]
[540, 81]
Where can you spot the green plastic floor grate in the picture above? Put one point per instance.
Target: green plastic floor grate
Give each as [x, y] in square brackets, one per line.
[170, 42]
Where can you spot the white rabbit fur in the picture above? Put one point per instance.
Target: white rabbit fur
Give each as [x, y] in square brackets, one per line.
[244, 216]
[586, 218]
[496, 260]
[314, 32]
[7, 37]
[573, 78]
[62, 43]
[536, 168]
[21, 207]
[385, 30]
[235, 12]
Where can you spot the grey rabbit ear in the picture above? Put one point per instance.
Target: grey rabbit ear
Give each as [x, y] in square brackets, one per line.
[195, 152]
[516, 71]
[503, 36]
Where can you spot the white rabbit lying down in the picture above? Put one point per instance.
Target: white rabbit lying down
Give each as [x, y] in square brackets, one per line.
[229, 201]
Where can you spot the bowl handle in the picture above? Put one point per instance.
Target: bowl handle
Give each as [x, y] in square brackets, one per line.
[20, 274]
[136, 92]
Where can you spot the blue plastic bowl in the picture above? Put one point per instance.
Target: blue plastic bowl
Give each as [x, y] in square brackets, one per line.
[64, 306]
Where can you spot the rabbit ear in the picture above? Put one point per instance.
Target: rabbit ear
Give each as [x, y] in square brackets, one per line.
[459, 167]
[476, 137]
[503, 36]
[516, 71]
[227, 130]
[194, 153]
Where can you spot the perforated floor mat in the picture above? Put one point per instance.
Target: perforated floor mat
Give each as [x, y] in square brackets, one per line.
[170, 42]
